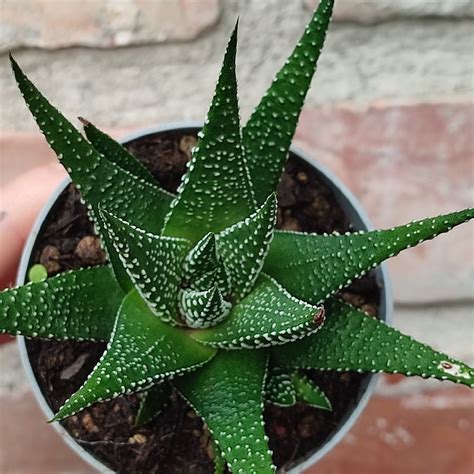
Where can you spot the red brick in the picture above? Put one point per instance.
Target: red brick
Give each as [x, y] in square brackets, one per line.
[405, 162]
[415, 434]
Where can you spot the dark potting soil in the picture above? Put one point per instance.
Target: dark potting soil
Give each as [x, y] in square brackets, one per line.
[176, 440]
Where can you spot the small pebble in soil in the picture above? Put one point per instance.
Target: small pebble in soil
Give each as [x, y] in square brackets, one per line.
[302, 177]
[49, 258]
[89, 250]
[137, 438]
[353, 299]
[204, 439]
[186, 145]
[370, 309]
[210, 450]
[89, 424]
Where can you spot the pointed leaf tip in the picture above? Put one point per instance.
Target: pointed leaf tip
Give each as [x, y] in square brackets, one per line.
[153, 263]
[70, 305]
[243, 247]
[267, 316]
[215, 192]
[317, 266]
[203, 309]
[133, 198]
[353, 340]
[268, 134]
[116, 153]
[142, 351]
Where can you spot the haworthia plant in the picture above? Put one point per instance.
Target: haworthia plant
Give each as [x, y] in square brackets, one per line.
[203, 297]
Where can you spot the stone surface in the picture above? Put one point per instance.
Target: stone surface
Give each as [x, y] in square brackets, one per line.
[370, 11]
[405, 162]
[102, 24]
[129, 87]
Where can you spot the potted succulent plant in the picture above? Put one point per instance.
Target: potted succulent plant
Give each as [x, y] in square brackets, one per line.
[201, 302]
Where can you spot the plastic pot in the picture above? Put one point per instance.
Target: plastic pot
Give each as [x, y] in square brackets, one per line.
[357, 217]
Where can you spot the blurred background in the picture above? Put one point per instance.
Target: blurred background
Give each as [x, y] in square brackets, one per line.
[390, 113]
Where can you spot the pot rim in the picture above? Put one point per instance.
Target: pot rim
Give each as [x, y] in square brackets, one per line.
[351, 206]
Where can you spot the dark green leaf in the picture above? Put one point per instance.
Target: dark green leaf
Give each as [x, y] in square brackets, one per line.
[280, 389]
[244, 246]
[203, 309]
[152, 402]
[268, 133]
[268, 316]
[352, 340]
[227, 394]
[203, 269]
[285, 387]
[152, 262]
[142, 351]
[316, 266]
[115, 152]
[99, 180]
[308, 392]
[68, 306]
[216, 191]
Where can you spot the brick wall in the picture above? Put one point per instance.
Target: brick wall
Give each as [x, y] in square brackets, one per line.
[390, 112]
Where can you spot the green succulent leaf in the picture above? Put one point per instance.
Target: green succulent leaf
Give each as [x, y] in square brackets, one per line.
[203, 269]
[285, 387]
[308, 392]
[98, 179]
[203, 309]
[280, 389]
[317, 266]
[142, 351]
[216, 191]
[244, 246]
[153, 263]
[353, 340]
[268, 316]
[115, 152]
[152, 402]
[228, 394]
[68, 306]
[268, 133]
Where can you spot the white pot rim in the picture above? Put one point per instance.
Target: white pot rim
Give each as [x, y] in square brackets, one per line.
[358, 218]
